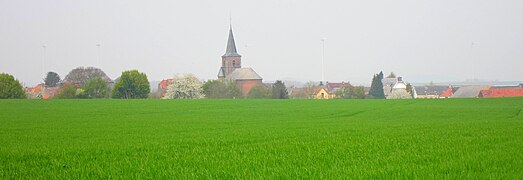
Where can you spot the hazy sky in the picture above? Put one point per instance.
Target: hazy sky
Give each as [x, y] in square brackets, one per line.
[421, 40]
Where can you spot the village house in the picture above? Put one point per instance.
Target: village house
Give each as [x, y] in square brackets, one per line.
[399, 90]
[318, 92]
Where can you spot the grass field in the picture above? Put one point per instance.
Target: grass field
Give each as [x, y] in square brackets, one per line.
[439, 138]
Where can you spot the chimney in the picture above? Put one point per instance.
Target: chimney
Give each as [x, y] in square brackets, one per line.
[400, 79]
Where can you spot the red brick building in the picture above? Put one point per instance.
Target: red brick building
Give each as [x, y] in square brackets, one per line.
[231, 68]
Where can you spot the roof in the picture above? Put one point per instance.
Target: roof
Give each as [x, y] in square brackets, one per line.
[221, 74]
[318, 89]
[333, 87]
[244, 74]
[507, 87]
[514, 92]
[231, 46]
[399, 85]
[389, 81]
[447, 93]
[430, 90]
[469, 91]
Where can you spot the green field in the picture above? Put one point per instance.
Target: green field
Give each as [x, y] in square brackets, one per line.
[439, 138]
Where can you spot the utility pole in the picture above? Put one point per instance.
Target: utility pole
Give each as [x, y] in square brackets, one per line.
[43, 60]
[322, 60]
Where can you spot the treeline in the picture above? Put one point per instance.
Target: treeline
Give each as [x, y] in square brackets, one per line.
[85, 83]
[92, 83]
[226, 88]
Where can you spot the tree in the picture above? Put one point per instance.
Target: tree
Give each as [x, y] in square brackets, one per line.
[409, 89]
[351, 92]
[221, 88]
[259, 92]
[376, 87]
[391, 75]
[185, 87]
[279, 91]
[399, 94]
[52, 79]
[358, 92]
[67, 91]
[132, 85]
[10, 88]
[96, 88]
[309, 89]
[82, 75]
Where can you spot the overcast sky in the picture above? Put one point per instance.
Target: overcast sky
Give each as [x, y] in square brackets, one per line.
[421, 40]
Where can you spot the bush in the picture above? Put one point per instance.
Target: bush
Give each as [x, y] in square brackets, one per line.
[132, 85]
[10, 88]
[67, 91]
[96, 88]
[221, 88]
[259, 92]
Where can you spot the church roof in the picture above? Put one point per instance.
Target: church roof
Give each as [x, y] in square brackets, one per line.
[244, 74]
[231, 46]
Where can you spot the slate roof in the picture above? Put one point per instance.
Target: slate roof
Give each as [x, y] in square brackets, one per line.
[469, 91]
[244, 74]
[430, 90]
[231, 46]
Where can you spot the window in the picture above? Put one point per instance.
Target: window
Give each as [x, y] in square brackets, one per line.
[233, 63]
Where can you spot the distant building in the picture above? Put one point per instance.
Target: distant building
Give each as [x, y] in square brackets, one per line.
[231, 68]
[434, 91]
[162, 87]
[322, 93]
[448, 93]
[388, 83]
[398, 90]
[317, 92]
[332, 87]
[502, 92]
[469, 91]
[42, 92]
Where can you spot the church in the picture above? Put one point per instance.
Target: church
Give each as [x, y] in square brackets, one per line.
[232, 69]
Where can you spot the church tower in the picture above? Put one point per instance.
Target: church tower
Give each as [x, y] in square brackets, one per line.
[231, 60]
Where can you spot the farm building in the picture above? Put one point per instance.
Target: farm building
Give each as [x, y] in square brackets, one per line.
[434, 91]
[491, 93]
[469, 91]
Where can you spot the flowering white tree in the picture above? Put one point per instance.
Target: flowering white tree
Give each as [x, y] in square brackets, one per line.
[185, 86]
[399, 94]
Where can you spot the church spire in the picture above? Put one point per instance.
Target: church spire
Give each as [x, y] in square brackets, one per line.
[231, 45]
